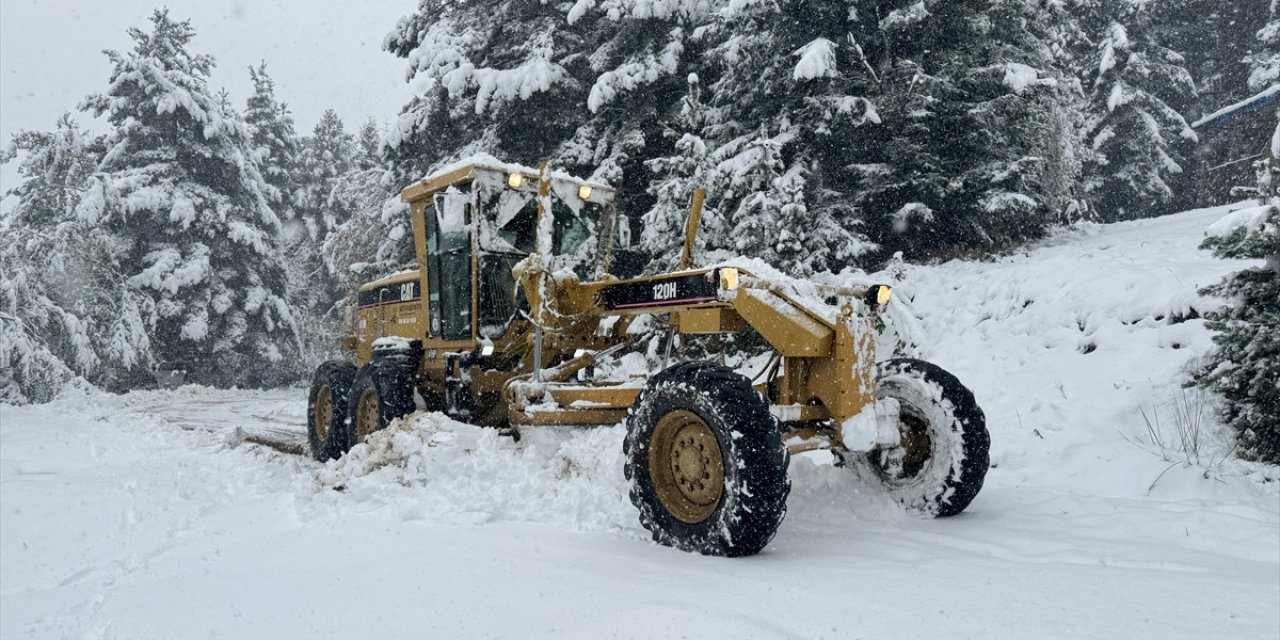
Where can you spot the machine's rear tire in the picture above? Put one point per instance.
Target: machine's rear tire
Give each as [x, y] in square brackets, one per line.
[327, 408]
[705, 459]
[382, 391]
[945, 452]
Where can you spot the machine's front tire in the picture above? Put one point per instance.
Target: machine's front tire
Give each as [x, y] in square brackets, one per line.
[327, 408]
[705, 459]
[945, 452]
[382, 391]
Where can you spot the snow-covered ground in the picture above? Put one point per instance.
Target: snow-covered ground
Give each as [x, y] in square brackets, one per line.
[160, 514]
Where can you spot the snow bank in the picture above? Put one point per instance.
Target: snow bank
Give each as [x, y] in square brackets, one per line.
[1072, 347]
[430, 466]
[1250, 219]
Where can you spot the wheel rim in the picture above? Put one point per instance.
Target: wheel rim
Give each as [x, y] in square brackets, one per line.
[367, 414]
[686, 466]
[324, 413]
[908, 459]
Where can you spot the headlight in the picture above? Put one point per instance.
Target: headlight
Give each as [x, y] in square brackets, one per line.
[878, 295]
[729, 278]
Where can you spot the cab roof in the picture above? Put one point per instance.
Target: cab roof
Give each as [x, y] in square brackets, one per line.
[483, 164]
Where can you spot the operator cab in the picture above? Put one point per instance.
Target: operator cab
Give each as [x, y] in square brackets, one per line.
[475, 221]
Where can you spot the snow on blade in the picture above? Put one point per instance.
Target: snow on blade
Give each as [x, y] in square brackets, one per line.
[463, 474]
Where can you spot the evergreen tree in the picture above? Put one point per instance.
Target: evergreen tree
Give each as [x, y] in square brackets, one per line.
[54, 172]
[494, 76]
[1265, 63]
[796, 68]
[368, 149]
[753, 167]
[374, 236]
[1214, 36]
[375, 239]
[589, 86]
[46, 338]
[181, 196]
[44, 347]
[686, 169]
[327, 154]
[976, 149]
[1245, 369]
[344, 178]
[1141, 146]
[274, 142]
[327, 159]
[930, 126]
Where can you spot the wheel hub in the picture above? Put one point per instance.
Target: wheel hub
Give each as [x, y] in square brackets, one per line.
[909, 458]
[686, 466]
[324, 413]
[367, 414]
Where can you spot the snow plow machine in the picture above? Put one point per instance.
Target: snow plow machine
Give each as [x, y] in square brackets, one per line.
[511, 314]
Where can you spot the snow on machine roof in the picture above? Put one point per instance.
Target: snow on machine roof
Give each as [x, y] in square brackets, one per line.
[487, 166]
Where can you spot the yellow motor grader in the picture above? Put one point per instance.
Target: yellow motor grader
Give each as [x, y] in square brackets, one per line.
[511, 313]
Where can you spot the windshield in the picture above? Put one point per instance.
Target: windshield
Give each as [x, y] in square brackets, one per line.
[509, 225]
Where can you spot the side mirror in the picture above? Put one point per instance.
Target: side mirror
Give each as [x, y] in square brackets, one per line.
[453, 211]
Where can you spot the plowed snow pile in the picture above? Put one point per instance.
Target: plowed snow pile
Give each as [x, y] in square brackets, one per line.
[450, 472]
[1112, 508]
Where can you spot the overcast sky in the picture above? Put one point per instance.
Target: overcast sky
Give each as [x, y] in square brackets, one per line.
[324, 54]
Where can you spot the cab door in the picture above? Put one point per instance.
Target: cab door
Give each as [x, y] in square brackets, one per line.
[450, 282]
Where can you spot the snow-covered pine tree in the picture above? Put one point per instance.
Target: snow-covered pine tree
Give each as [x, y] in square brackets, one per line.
[640, 56]
[589, 85]
[274, 142]
[796, 69]
[64, 287]
[44, 347]
[750, 166]
[182, 199]
[326, 158]
[1214, 36]
[46, 338]
[1245, 368]
[327, 154]
[374, 237]
[1265, 63]
[368, 145]
[676, 176]
[55, 168]
[1141, 145]
[595, 84]
[976, 150]
[494, 76]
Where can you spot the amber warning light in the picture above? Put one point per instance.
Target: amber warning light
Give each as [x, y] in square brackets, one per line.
[878, 295]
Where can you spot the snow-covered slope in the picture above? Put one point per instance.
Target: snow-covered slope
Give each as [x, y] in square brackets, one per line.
[156, 514]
